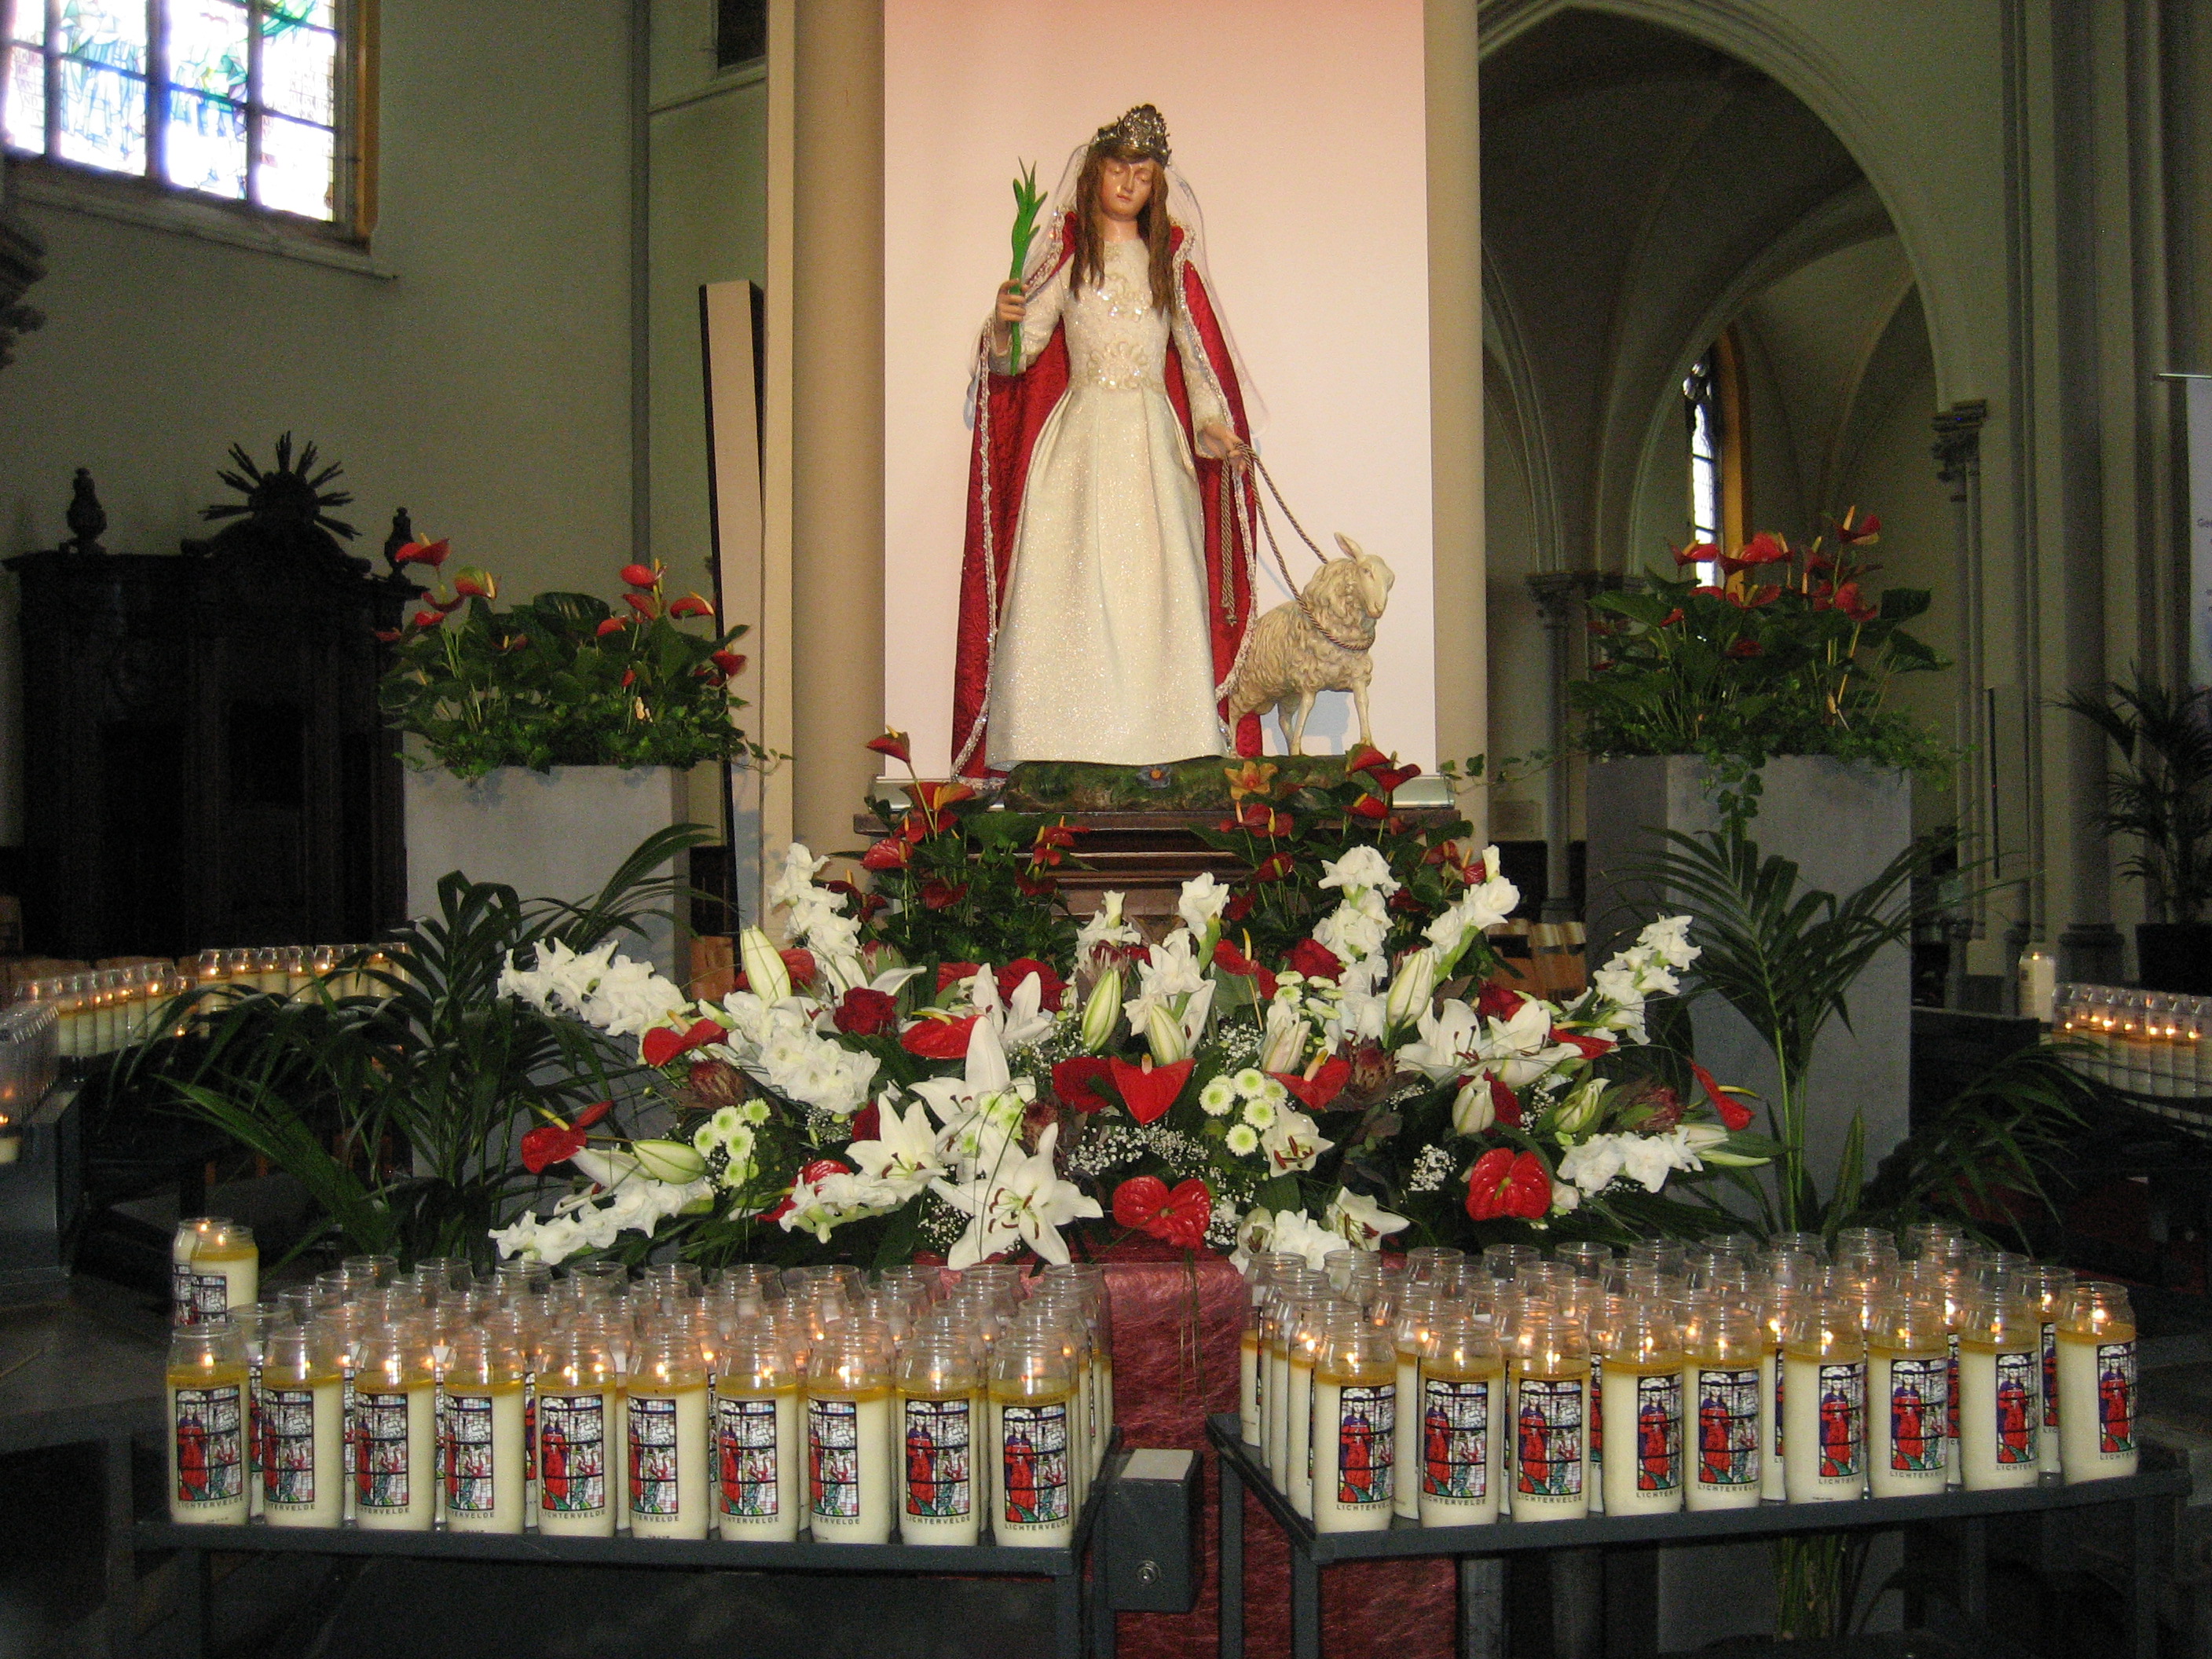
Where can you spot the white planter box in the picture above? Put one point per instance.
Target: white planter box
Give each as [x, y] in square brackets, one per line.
[1842, 823]
[548, 835]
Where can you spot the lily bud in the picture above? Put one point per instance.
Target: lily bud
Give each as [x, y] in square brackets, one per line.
[668, 1160]
[764, 966]
[1579, 1113]
[1103, 1013]
[1472, 1110]
[1287, 1037]
[1163, 1035]
[1410, 988]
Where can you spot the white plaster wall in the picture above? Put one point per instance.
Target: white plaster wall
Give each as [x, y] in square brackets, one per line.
[1300, 123]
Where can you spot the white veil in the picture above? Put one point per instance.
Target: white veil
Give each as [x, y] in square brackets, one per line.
[1183, 209]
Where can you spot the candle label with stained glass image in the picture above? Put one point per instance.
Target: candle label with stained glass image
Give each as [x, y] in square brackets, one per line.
[209, 1426]
[939, 1434]
[833, 1444]
[2115, 1398]
[747, 1458]
[1843, 1421]
[1919, 1392]
[380, 1443]
[1727, 1426]
[1035, 1486]
[652, 1488]
[468, 1454]
[2050, 1374]
[1659, 1432]
[288, 1463]
[1366, 1431]
[2015, 1408]
[1456, 1439]
[1549, 1436]
[572, 1453]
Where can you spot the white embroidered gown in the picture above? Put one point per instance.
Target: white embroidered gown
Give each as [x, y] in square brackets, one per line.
[1103, 651]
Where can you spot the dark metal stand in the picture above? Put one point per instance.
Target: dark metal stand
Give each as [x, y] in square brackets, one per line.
[1083, 1625]
[1607, 1563]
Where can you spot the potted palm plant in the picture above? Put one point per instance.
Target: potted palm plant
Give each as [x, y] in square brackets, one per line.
[2160, 795]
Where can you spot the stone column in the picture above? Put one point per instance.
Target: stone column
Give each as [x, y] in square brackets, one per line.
[1560, 597]
[1958, 452]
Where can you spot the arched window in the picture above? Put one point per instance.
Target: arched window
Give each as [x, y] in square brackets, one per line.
[1712, 409]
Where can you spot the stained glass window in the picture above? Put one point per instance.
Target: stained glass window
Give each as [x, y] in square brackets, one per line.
[1701, 406]
[234, 99]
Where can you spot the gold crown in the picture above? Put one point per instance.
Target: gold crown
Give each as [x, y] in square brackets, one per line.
[1143, 131]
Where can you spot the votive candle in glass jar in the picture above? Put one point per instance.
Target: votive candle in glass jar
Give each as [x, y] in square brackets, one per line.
[485, 1465]
[941, 1413]
[1460, 1398]
[1355, 1413]
[848, 1434]
[2097, 1383]
[395, 1409]
[1725, 1399]
[205, 1394]
[226, 1267]
[760, 1438]
[2000, 1388]
[1032, 1402]
[579, 1394]
[1908, 1397]
[1417, 1313]
[1642, 1406]
[1298, 1449]
[303, 1419]
[1779, 1308]
[1824, 1402]
[665, 1402]
[2049, 1286]
[1551, 1388]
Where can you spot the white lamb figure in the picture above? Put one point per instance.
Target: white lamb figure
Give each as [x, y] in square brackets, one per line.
[1317, 642]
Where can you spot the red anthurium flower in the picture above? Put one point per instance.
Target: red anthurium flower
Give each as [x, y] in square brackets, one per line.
[642, 575]
[1369, 806]
[1231, 960]
[936, 797]
[892, 853]
[1671, 618]
[628, 678]
[1764, 594]
[1696, 553]
[730, 662]
[1144, 1204]
[1077, 1081]
[1764, 548]
[1148, 1090]
[643, 603]
[864, 1012]
[475, 583]
[1498, 1002]
[428, 618]
[1854, 529]
[799, 963]
[430, 553]
[1590, 1046]
[1390, 779]
[1735, 1114]
[691, 604]
[1048, 982]
[1709, 592]
[1505, 1103]
[950, 973]
[1365, 758]
[938, 894]
[1315, 960]
[1275, 867]
[814, 1171]
[611, 625]
[938, 1039]
[390, 635]
[663, 1043]
[1035, 887]
[551, 1143]
[1316, 1092]
[1853, 604]
[1505, 1184]
[1238, 907]
[894, 744]
[1746, 648]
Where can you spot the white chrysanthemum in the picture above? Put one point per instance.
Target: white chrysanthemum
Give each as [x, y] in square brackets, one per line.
[1251, 1082]
[1243, 1139]
[1260, 1112]
[1218, 1098]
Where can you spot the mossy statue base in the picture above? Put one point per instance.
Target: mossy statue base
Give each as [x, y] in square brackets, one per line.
[1187, 785]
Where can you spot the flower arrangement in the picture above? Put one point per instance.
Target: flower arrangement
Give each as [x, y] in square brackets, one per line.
[1786, 653]
[1195, 1087]
[564, 680]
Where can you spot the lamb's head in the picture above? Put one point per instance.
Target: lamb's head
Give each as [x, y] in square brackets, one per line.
[1372, 584]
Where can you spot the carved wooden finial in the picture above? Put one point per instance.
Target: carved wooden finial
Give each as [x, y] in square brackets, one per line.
[403, 532]
[87, 518]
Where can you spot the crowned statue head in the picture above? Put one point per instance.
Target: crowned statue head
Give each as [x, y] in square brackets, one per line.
[1123, 188]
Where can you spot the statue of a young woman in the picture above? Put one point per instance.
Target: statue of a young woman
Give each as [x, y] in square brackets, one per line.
[1106, 589]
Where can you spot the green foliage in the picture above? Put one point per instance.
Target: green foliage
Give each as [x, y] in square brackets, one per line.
[2160, 793]
[1787, 656]
[958, 881]
[399, 1107]
[550, 684]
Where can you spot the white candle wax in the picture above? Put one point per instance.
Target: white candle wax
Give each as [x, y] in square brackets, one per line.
[760, 1449]
[666, 1460]
[1103, 1368]
[1276, 1403]
[303, 1453]
[575, 1436]
[1824, 1413]
[1999, 1406]
[618, 1453]
[1081, 1428]
[2097, 1404]
[848, 1467]
[1726, 1412]
[1643, 1418]
[1030, 1438]
[396, 1458]
[1462, 1438]
[207, 1453]
[1405, 1455]
[1907, 1401]
[938, 1500]
[484, 1458]
[1551, 1462]
[1298, 1453]
[1250, 1395]
[1355, 1420]
[224, 1277]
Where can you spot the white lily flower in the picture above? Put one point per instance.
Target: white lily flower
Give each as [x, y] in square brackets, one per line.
[1023, 1201]
[1200, 903]
[1450, 1036]
[1105, 930]
[1294, 1141]
[765, 971]
[1359, 1220]
[903, 1160]
[1102, 1014]
[1411, 989]
[1472, 1109]
[1284, 1042]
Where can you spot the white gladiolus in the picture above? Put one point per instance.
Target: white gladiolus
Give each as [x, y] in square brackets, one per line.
[1362, 869]
[1200, 903]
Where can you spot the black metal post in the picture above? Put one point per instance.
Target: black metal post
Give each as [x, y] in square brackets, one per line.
[1482, 1622]
[1232, 1610]
[1305, 1603]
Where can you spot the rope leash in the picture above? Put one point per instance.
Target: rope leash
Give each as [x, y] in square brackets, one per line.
[1251, 459]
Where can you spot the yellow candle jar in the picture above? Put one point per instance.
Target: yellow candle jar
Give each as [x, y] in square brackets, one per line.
[302, 1433]
[760, 1434]
[2000, 1391]
[1461, 1402]
[848, 1435]
[1824, 1403]
[1781, 1306]
[1908, 1398]
[225, 1268]
[2050, 1287]
[1551, 1379]
[205, 1395]
[1723, 1389]
[579, 1392]
[1298, 1450]
[1032, 1401]
[1642, 1412]
[483, 1463]
[941, 1412]
[2097, 1383]
[1417, 1310]
[395, 1429]
[666, 1459]
[1355, 1414]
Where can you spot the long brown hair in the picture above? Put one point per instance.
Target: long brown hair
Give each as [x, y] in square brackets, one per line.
[1151, 225]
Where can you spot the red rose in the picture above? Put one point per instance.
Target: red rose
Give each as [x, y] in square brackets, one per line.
[864, 1012]
[1144, 1204]
[1076, 1081]
[1051, 984]
[1238, 907]
[1315, 960]
[1505, 1184]
[867, 1123]
[1148, 1091]
[938, 1039]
